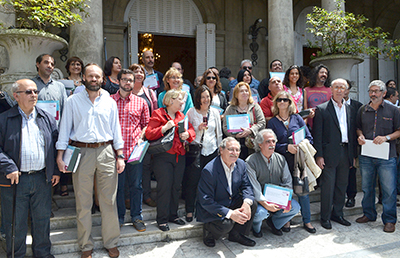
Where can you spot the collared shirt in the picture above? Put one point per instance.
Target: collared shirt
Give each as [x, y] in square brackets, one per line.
[89, 122]
[228, 174]
[32, 143]
[52, 90]
[388, 101]
[342, 118]
[348, 102]
[133, 113]
[381, 122]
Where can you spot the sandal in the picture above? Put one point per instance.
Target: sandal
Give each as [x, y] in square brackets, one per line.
[64, 192]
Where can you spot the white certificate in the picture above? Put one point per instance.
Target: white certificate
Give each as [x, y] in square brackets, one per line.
[380, 151]
[280, 75]
[235, 123]
[278, 195]
[151, 81]
[50, 106]
[299, 135]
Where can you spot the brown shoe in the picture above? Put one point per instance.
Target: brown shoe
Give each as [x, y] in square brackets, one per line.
[150, 202]
[389, 227]
[87, 254]
[113, 252]
[363, 219]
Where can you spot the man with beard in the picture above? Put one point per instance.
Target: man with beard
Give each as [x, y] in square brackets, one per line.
[319, 90]
[47, 87]
[334, 134]
[276, 67]
[134, 116]
[91, 122]
[148, 61]
[266, 104]
[379, 122]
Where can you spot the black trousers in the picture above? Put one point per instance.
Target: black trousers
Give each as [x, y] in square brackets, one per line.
[352, 184]
[169, 175]
[146, 176]
[219, 228]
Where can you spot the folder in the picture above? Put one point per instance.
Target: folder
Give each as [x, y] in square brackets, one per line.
[138, 153]
[71, 158]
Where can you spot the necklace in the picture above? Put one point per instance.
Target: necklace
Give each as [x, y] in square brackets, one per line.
[285, 121]
[243, 109]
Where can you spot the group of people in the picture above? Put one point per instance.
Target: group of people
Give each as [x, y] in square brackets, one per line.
[112, 110]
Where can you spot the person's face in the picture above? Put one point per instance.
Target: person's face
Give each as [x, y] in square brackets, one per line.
[93, 78]
[294, 76]
[376, 95]
[247, 77]
[176, 104]
[276, 67]
[231, 152]
[174, 81]
[116, 68]
[394, 98]
[198, 80]
[148, 59]
[243, 94]
[283, 102]
[247, 66]
[75, 67]
[338, 89]
[392, 84]
[126, 82]
[322, 75]
[205, 99]
[26, 100]
[346, 94]
[178, 67]
[139, 75]
[211, 80]
[46, 66]
[275, 85]
[268, 145]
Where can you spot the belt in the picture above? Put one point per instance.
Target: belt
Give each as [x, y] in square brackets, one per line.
[33, 171]
[89, 145]
[344, 144]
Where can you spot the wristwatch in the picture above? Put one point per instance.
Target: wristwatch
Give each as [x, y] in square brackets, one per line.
[121, 156]
[388, 137]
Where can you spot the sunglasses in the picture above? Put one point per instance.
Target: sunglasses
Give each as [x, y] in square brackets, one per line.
[211, 78]
[247, 67]
[282, 99]
[28, 92]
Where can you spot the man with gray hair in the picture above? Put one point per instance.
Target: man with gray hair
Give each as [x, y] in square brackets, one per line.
[225, 197]
[378, 122]
[245, 65]
[266, 166]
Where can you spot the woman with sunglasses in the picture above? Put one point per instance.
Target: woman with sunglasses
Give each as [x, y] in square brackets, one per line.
[293, 83]
[173, 81]
[284, 123]
[242, 103]
[211, 80]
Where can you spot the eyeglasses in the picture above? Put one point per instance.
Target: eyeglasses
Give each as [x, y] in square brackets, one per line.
[233, 150]
[211, 78]
[175, 77]
[127, 80]
[270, 141]
[339, 87]
[247, 67]
[374, 91]
[282, 99]
[28, 92]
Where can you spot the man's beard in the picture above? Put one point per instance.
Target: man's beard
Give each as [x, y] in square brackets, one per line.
[92, 87]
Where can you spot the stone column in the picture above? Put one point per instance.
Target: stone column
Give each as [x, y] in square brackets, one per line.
[86, 39]
[330, 5]
[8, 19]
[280, 32]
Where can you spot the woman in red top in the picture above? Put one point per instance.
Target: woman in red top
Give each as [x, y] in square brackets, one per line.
[169, 166]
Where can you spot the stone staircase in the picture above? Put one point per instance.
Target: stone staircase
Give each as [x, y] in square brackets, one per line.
[64, 235]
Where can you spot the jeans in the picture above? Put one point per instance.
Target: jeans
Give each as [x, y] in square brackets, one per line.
[132, 175]
[304, 202]
[278, 218]
[386, 169]
[33, 197]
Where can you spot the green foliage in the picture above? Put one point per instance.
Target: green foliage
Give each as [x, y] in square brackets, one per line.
[42, 14]
[340, 32]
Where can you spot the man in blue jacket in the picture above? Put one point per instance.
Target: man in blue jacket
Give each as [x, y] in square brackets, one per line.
[27, 162]
[225, 197]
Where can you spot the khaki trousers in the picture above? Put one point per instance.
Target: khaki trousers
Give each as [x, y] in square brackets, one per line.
[98, 164]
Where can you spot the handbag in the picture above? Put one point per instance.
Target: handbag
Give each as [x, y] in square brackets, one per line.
[299, 175]
[164, 143]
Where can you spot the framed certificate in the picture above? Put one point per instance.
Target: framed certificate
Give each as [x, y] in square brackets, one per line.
[278, 195]
[50, 106]
[151, 81]
[299, 135]
[235, 123]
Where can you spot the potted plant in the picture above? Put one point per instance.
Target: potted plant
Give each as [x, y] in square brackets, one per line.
[344, 39]
[31, 35]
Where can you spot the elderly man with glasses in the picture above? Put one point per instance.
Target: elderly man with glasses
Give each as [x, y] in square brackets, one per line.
[245, 65]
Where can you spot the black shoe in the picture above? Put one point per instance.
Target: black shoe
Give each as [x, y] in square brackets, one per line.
[309, 230]
[274, 230]
[285, 229]
[351, 202]
[177, 221]
[258, 235]
[341, 220]
[189, 219]
[326, 224]
[208, 238]
[241, 239]
[163, 227]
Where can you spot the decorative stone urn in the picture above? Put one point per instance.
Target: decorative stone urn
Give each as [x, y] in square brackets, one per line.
[339, 64]
[23, 46]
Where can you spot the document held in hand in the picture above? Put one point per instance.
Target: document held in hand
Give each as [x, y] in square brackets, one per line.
[138, 153]
[380, 151]
[71, 158]
[278, 195]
